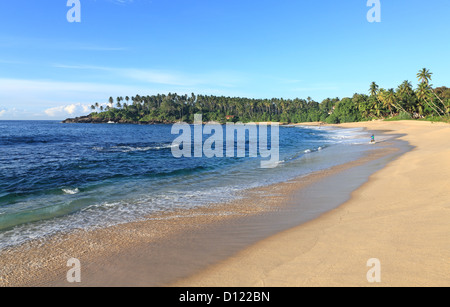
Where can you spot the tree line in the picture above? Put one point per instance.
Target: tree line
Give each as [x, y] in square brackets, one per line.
[404, 102]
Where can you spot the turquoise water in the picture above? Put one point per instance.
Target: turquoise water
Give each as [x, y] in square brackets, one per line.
[59, 177]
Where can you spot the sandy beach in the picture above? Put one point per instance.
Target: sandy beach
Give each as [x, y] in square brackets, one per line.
[400, 217]
[172, 246]
[194, 145]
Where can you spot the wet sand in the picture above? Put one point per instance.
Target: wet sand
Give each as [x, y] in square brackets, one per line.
[174, 246]
[400, 217]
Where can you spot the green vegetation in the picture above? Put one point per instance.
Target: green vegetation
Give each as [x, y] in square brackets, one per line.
[402, 103]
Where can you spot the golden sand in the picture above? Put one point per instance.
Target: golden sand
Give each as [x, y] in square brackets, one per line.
[400, 217]
[153, 252]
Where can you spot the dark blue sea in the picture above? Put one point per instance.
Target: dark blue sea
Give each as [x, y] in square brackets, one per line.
[58, 177]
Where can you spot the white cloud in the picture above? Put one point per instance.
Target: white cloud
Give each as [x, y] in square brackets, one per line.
[77, 109]
[12, 113]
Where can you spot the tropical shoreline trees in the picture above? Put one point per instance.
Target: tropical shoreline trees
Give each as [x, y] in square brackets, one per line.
[403, 102]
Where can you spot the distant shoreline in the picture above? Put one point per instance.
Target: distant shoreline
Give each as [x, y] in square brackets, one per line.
[90, 120]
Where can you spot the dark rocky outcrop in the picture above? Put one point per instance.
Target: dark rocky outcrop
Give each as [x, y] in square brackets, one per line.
[95, 120]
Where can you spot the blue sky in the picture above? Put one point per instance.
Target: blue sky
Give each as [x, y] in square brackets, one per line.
[53, 69]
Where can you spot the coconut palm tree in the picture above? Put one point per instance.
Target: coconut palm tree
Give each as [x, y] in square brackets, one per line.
[389, 99]
[376, 108]
[408, 96]
[405, 88]
[373, 89]
[423, 94]
[397, 101]
[447, 106]
[439, 98]
[381, 97]
[424, 76]
[404, 92]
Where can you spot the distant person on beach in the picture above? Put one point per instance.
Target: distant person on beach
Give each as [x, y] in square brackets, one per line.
[372, 139]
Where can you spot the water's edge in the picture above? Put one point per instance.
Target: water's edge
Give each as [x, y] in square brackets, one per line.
[184, 254]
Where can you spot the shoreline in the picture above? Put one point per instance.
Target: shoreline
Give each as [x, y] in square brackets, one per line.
[148, 253]
[399, 217]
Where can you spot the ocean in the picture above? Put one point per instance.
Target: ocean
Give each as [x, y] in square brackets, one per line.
[58, 177]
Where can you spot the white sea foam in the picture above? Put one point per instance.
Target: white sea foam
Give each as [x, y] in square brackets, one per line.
[71, 191]
[349, 136]
[135, 200]
[125, 149]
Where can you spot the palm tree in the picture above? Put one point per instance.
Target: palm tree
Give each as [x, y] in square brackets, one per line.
[180, 109]
[119, 99]
[373, 89]
[447, 106]
[376, 108]
[405, 88]
[381, 97]
[424, 76]
[379, 94]
[405, 94]
[423, 93]
[389, 99]
[439, 98]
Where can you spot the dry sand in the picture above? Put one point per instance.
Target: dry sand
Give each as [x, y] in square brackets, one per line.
[400, 217]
